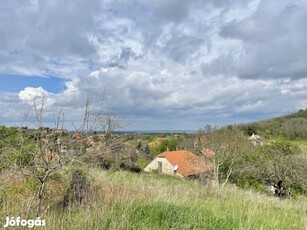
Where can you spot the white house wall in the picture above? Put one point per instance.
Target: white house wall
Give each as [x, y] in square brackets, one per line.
[167, 167]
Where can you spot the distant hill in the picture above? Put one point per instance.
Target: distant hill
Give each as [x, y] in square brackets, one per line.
[292, 126]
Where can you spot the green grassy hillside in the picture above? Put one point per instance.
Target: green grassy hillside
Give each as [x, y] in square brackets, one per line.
[293, 126]
[122, 200]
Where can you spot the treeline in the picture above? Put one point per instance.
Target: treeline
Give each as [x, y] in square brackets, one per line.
[238, 161]
[293, 126]
[269, 164]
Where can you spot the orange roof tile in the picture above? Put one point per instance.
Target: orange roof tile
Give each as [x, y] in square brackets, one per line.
[188, 163]
[208, 153]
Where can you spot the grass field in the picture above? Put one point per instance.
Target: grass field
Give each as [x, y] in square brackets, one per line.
[123, 200]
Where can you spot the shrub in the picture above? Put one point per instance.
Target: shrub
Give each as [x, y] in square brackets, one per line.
[78, 191]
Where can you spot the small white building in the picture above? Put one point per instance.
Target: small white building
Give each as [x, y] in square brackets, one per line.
[255, 139]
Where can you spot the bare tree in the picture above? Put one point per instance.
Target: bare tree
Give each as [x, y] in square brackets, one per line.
[223, 146]
[52, 149]
[97, 118]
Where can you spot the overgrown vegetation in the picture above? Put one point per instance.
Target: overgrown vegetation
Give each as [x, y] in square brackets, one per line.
[271, 163]
[292, 126]
[160, 145]
[60, 176]
[122, 200]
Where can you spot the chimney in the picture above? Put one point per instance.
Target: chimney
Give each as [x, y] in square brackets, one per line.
[167, 149]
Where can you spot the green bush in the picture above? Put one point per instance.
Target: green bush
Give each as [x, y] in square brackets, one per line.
[169, 142]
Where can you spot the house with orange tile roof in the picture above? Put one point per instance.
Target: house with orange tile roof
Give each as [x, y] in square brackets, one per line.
[181, 163]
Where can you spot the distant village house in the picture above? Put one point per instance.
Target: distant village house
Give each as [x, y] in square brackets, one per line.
[60, 130]
[255, 139]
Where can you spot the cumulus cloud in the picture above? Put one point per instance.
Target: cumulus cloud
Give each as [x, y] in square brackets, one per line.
[29, 94]
[174, 62]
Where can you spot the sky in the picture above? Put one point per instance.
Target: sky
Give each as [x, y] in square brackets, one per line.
[155, 64]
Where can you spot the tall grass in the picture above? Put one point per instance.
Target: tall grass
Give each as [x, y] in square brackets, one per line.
[123, 200]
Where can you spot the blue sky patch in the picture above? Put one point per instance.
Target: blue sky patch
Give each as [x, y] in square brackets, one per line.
[15, 83]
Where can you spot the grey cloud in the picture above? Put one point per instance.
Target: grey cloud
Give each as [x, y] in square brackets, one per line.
[172, 9]
[122, 59]
[179, 48]
[228, 3]
[274, 39]
[252, 30]
[45, 30]
[60, 29]
[12, 108]
[222, 65]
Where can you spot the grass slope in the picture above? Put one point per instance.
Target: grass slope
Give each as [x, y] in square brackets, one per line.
[146, 201]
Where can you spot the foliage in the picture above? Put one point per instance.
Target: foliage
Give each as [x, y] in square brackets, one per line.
[38, 154]
[226, 144]
[277, 161]
[291, 126]
[240, 162]
[234, 160]
[78, 191]
[141, 162]
[9, 136]
[161, 144]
